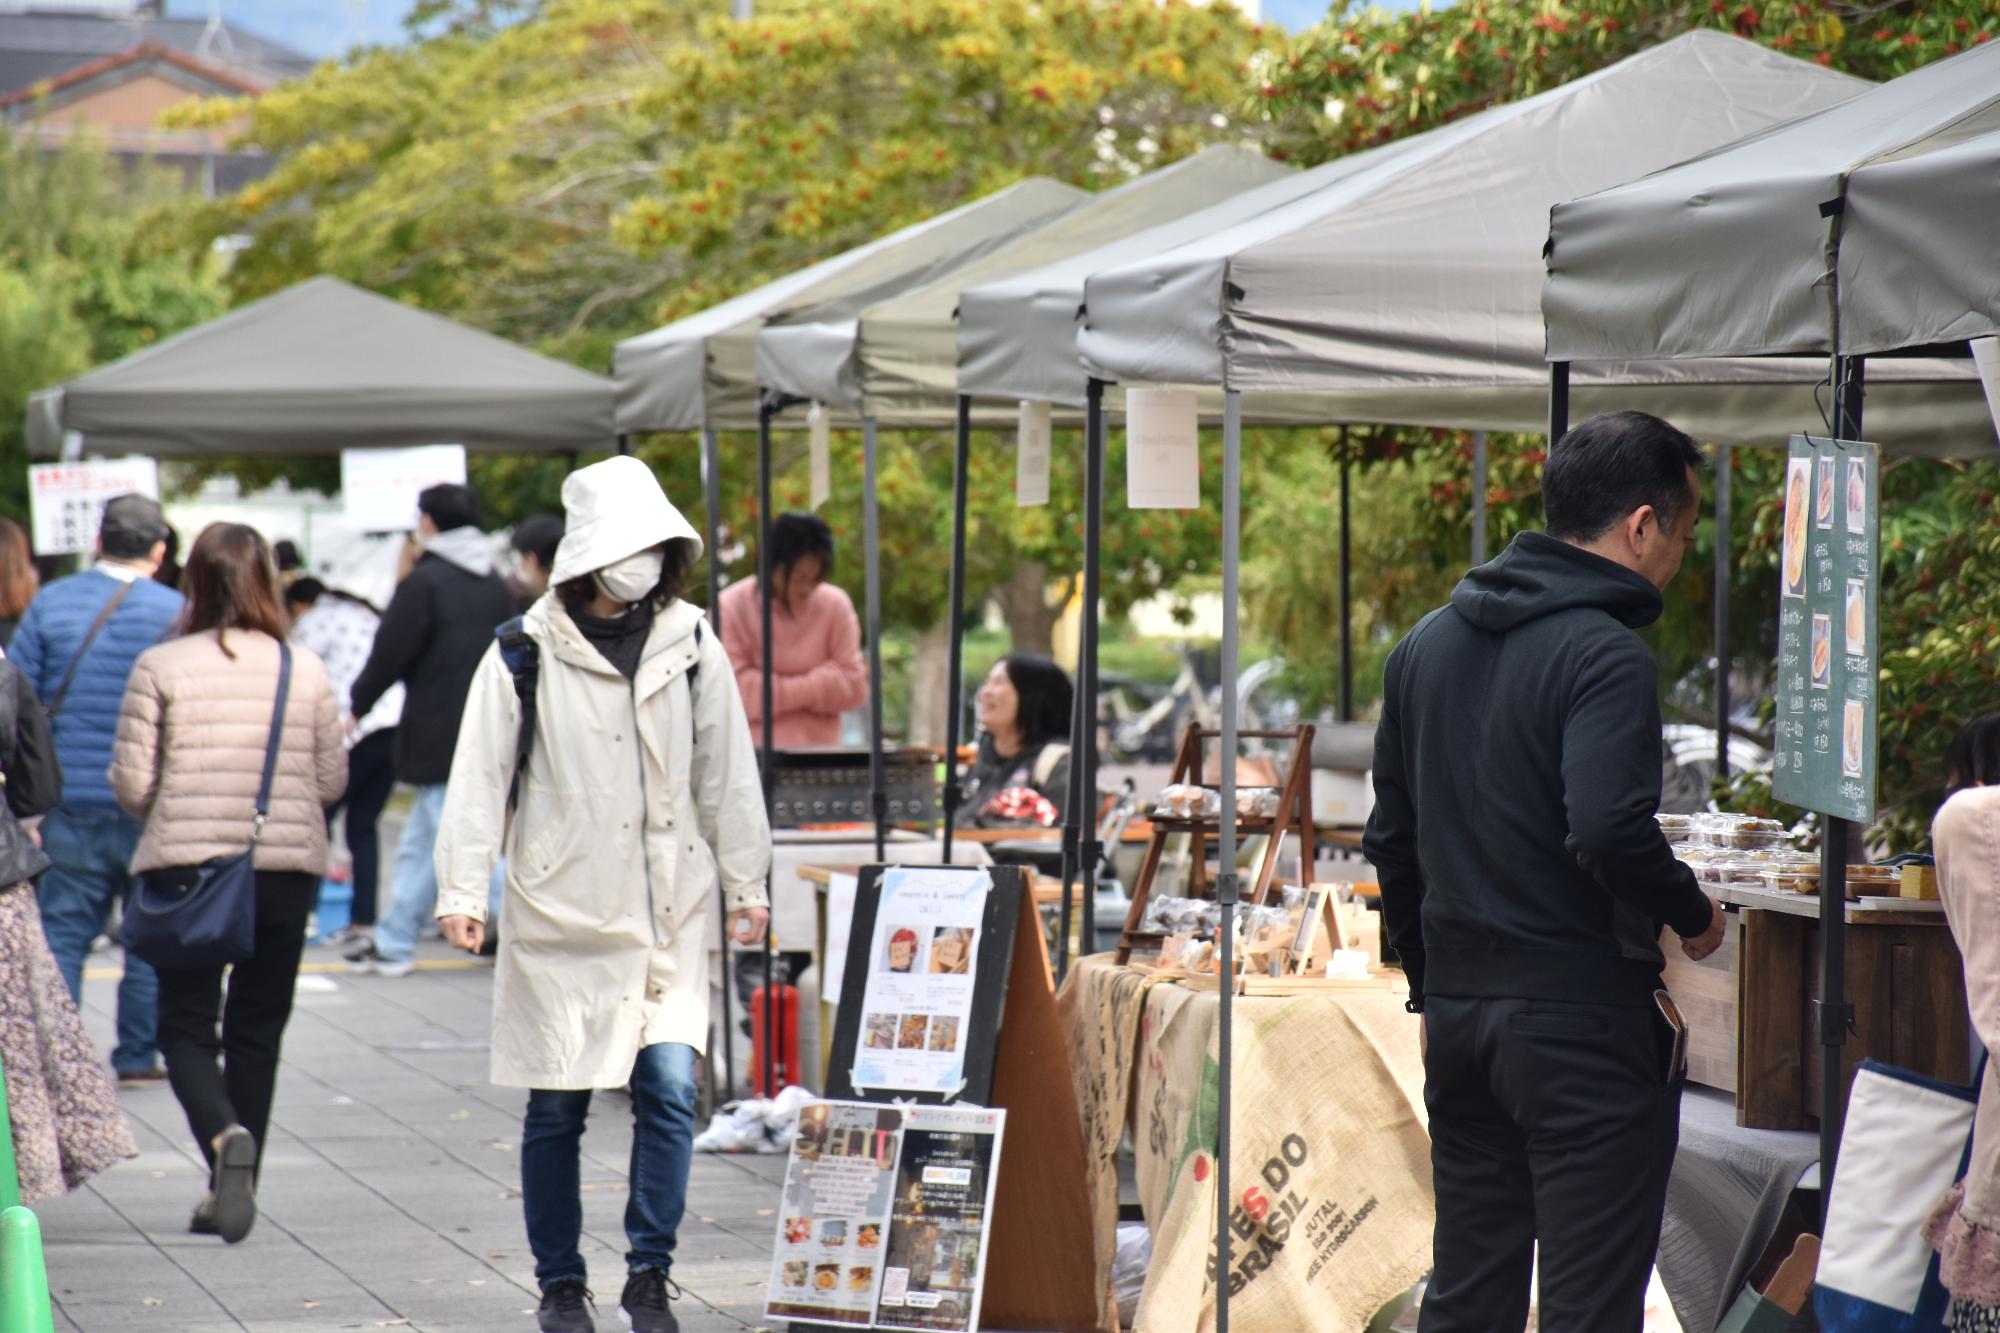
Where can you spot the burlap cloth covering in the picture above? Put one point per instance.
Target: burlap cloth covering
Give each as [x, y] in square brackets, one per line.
[1330, 1158]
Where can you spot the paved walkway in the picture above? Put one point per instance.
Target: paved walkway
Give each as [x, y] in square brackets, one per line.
[391, 1194]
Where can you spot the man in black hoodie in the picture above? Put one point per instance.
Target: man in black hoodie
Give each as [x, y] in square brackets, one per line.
[1525, 881]
[438, 626]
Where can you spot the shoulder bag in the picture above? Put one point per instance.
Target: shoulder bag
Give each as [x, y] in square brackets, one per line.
[186, 917]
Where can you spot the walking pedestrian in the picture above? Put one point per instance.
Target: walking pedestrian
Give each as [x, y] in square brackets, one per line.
[639, 787]
[19, 581]
[62, 1110]
[817, 669]
[192, 739]
[1517, 772]
[76, 645]
[438, 625]
[339, 628]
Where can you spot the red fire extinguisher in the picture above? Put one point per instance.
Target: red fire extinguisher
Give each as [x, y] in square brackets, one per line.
[783, 1061]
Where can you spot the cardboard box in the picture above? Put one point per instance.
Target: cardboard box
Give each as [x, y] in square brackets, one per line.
[1920, 882]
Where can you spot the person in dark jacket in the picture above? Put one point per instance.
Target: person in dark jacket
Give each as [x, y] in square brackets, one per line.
[534, 543]
[438, 625]
[1525, 881]
[80, 679]
[1020, 773]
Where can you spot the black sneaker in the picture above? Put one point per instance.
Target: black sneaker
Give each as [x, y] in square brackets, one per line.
[566, 1307]
[645, 1302]
[234, 1183]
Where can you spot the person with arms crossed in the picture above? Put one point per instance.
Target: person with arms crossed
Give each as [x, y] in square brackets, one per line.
[1525, 884]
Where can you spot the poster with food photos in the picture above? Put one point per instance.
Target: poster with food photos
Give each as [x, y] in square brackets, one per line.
[923, 965]
[1829, 629]
[934, 1266]
[833, 1215]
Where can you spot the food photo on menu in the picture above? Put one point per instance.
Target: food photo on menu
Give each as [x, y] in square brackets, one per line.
[1823, 493]
[1822, 650]
[1857, 617]
[1852, 734]
[1857, 496]
[1794, 558]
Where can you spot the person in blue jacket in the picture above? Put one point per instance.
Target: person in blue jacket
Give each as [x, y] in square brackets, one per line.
[76, 645]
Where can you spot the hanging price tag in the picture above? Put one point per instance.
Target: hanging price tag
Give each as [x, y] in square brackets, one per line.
[1163, 449]
[819, 430]
[1031, 460]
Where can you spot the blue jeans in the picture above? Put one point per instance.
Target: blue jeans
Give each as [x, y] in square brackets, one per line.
[415, 904]
[92, 849]
[663, 1093]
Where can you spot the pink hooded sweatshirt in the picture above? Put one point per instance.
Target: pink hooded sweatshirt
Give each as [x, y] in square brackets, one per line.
[817, 672]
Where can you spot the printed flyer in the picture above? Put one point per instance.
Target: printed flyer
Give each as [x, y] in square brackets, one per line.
[922, 968]
[884, 1219]
[838, 1186]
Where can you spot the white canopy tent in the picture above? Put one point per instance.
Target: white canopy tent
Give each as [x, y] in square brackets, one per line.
[320, 367]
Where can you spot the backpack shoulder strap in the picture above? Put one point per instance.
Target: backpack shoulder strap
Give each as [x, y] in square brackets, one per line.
[1045, 763]
[523, 657]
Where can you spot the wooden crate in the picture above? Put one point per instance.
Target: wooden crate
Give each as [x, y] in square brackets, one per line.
[1706, 993]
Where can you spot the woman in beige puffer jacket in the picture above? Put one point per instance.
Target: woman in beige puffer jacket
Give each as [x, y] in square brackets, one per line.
[188, 760]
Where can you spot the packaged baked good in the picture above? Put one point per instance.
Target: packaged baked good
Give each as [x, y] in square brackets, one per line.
[1185, 800]
[1678, 828]
[1737, 832]
[1793, 878]
[1256, 802]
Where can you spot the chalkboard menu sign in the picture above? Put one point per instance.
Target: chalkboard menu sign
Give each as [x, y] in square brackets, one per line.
[1828, 621]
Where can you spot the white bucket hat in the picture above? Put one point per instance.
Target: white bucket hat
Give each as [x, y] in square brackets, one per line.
[611, 510]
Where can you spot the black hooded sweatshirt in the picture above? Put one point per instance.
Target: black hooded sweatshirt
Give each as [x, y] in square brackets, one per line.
[1517, 772]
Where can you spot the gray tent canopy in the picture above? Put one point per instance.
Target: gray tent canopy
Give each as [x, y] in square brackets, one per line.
[1863, 228]
[321, 367]
[1410, 291]
[700, 370]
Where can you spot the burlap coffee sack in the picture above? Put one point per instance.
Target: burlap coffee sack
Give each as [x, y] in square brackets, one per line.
[1330, 1161]
[1101, 1007]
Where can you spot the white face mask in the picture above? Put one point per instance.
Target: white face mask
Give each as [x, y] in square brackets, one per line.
[633, 578]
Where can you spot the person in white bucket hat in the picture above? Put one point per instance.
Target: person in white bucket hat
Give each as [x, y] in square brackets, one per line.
[632, 787]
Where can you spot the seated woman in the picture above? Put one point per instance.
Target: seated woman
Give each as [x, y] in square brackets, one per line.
[1020, 775]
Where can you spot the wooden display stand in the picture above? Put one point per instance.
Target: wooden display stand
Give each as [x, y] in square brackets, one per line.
[1294, 816]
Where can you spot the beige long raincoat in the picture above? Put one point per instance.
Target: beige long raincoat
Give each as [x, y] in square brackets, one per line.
[637, 794]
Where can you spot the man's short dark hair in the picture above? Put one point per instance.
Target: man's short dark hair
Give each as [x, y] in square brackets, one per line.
[539, 536]
[449, 506]
[796, 535]
[304, 591]
[131, 527]
[286, 552]
[1611, 464]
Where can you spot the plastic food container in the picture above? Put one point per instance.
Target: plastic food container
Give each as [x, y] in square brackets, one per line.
[1793, 879]
[1678, 828]
[1738, 832]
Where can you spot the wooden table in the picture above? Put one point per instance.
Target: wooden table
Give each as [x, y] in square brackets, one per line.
[1750, 1004]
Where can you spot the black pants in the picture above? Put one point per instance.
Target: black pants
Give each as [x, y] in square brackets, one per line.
[238, 1090]
[371, 776]
[1550, 1122]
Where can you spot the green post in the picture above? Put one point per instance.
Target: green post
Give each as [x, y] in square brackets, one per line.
[10, 1182]
[24, 1278]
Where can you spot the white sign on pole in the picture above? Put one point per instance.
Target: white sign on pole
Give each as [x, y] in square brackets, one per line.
[1986, 354]
[1031, 461]
[819, 431]
[1162, 449]
[66, 500]
[379, 487]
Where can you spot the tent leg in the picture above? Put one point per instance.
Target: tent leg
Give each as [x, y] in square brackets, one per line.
[1558, 401]
[1479, 497]
[711, 487]
[624, 444]
[1346, 591]
[766, 409]
[1090, 854]
[954, 673]
[1225, 883]
[1072, 833]
[1832, 1011]
[1723, 568]
[871, 525]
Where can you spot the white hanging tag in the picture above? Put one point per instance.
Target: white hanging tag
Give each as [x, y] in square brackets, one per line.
[1031, 459]
[819, 428]
[1986, 354]
[1162, 449]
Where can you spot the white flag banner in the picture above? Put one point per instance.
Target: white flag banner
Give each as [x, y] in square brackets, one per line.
[66, 500]
[1162, 449]
[1031, 459]
[1986, 354]
[379, 487]
[819, 431]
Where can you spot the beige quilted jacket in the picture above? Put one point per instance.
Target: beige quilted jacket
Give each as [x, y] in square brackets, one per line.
[190, 751]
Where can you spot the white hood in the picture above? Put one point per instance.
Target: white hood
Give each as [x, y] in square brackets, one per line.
[611, 510]
[465, 547]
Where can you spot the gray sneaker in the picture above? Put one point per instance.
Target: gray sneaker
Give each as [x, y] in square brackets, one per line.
[566, 1307]
[365, 959]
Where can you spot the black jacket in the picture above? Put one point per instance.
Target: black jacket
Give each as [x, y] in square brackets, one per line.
[1517, 772]
[438, 625]
[33, 777]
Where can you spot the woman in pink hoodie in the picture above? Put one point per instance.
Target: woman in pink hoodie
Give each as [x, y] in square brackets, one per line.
[817, 672]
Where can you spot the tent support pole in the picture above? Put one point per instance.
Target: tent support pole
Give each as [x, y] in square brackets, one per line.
[1558, 401]
[1832, 1011]
[1072, 835]
[1479, 497]
[1723, 649]
[1090, 854]
[768, 406]
[954, 673]
[871, 524]
[624, 444]
[1225, 880]
[711, 488]
[1346, 590]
